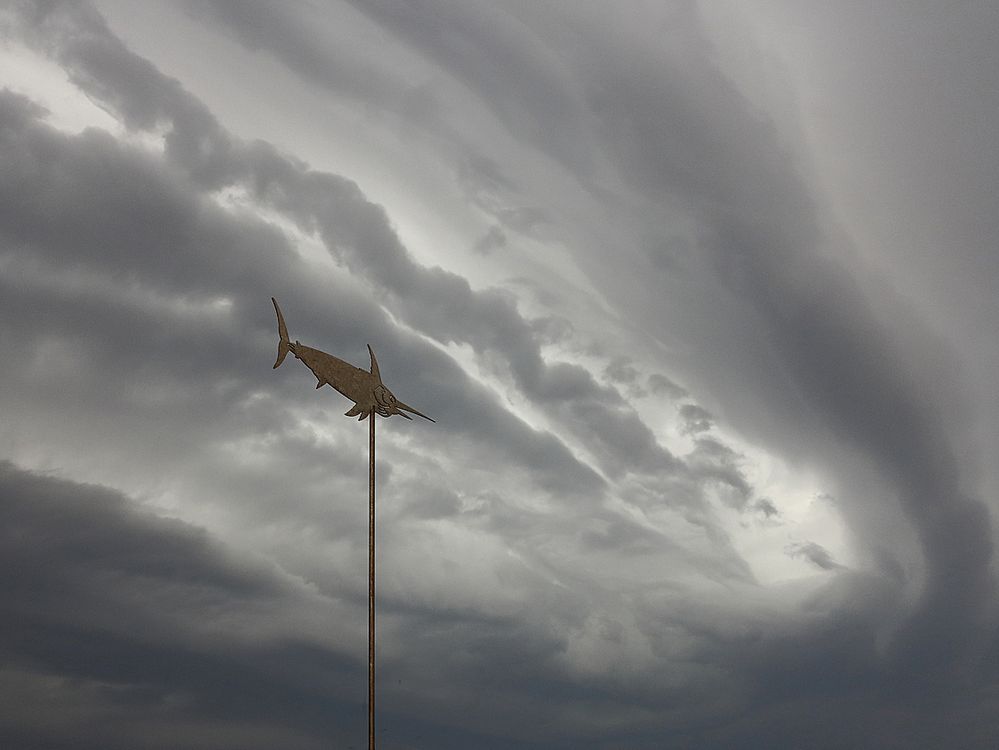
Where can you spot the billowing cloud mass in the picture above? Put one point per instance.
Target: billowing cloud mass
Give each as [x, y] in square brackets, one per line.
[699, 294]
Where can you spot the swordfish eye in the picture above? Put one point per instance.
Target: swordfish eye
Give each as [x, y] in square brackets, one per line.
[384, 396]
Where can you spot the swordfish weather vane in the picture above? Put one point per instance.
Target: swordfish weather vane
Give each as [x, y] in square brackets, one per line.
[370, 397]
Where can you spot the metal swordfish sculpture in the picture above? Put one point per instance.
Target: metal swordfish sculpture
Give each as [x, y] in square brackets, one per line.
[365, 389]
[370, 397]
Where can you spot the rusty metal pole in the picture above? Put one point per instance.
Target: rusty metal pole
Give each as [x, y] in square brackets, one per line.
[371, 582]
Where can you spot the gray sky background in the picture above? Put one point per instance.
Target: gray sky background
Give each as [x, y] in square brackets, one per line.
[701, 296]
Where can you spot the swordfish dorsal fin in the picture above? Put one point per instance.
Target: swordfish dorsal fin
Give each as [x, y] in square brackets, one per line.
[374, 364]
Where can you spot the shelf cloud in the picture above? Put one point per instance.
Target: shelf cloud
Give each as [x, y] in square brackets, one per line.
[701, 296]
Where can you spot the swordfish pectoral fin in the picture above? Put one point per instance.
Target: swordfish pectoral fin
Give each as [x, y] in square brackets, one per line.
[356, 410]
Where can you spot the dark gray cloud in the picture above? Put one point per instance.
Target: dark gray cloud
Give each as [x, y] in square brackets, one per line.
[620, 370]
[177, 641]
[695, 418]
[814, 553]
[299, 38]
[106, 292]
[356, 231]
[715, 462]
[487, 49]
[765, 506]
[152, 624]
[555, 575]
[153, 236]
[659, 383]
[491, 240]
[700, 139]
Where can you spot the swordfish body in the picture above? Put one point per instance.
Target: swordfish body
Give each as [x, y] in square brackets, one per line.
[364, 388]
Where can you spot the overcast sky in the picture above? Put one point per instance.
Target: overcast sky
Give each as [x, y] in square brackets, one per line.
[702, 296]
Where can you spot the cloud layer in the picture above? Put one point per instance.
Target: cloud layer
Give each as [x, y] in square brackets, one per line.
[705, 471]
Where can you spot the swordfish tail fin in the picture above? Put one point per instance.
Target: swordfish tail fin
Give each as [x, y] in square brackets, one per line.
[284, 346]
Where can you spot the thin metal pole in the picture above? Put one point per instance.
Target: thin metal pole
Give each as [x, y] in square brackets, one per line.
[371, 582]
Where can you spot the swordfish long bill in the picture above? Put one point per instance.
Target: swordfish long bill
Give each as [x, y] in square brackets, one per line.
[364, 388]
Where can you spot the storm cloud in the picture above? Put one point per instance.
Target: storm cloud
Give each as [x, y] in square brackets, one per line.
[710, 466]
